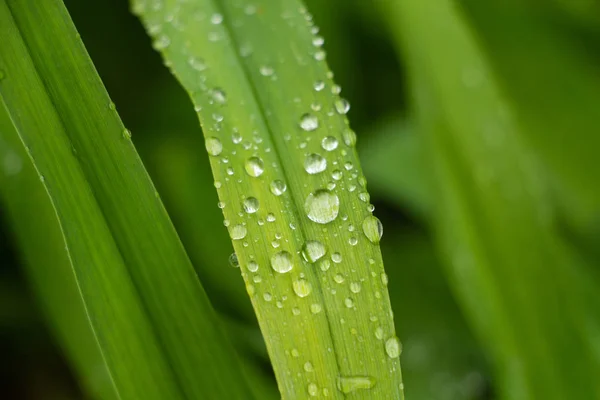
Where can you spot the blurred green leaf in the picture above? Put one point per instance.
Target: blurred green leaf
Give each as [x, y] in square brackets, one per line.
[155, 328]
[522, 290]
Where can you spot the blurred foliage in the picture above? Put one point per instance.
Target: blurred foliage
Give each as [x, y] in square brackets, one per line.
[543, 58]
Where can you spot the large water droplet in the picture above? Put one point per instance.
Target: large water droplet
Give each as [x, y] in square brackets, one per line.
[322, 206]
[329, 143]
[251, 205]
[315, 163]
[238, 232]
[254, 166]
[213, 146]
[372, 228]
[313, 250]
[282, 262]
[342, 106]
[277, 187]
[302, 287]
[393, 347]
[309, 122]
[347, 384]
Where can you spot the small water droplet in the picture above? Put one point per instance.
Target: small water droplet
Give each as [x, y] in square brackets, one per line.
[266, 70]
[319, 55]
[325, 264]
[315, 308]
[336, 175]
[219, 96]
[295, 353]
[393, 347]
[313, 250]
[342, 106]
[348, 302]
[233, 260]
[162, 42]
[349, 137]
[213, 146]
[322, 206]
[254, 166]
[319, 85]
[308, 367]
[126, 134]
[355, 287]
[339, 278]
[216, 19]
[372, 228]
[309, 122]
[252, 266]
[277, 187]
[329, 143]
[336, 257]
[302, 287]
[384, 279]
[251, 205]
[347, 384]
[313, 389]
[296, 311]
[197, 63]
[315, 163]
[267, 296]
[271, 217]
[238, 232]
[282, 262]
[353, 241]
[379, 333]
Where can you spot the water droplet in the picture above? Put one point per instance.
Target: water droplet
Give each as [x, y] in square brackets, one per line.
[348, 167]
[197, 63]
[313, 389]
[372, 228]
[213, 146]
[219, 96]
[347, 384]
[355, 287]
[315, 308]
[393, 347]
[270, 217]
[309, 122]
[250, 290]
[348, 302]
[353, 241]
[342, 106]
[295, 353]
[254, 166]
[233, 260]
[302, 287]
[216, 19]
[349, 137]
[364, 197]
[251, 205]
[322, 206]
[336, 257]
[266, 70]
[329, 143]
[315, 163]
[296, 311]
[282, 262]
[238, 232]
[325, 264]
[162, 42]
[313, 250]
[126, 134]
[339, 278]
[319, 85]
[384, 279]
[379, 333]
[336, 175]
[308, 367]
[267, 296]
[252, 266]
[277, 187]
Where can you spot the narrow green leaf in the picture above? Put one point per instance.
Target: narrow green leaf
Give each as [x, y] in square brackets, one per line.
[153, 323]
[522, 290]
[289, 183]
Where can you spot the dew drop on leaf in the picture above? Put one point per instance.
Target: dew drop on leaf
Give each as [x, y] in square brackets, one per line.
[372, 228]
[282, 262]
[213, 146]
[302, 287]
[329, 143]
[277, 187]
[309, 122]
[254, 166]
[393, 347]
[238, 232]
[233, 260]
[313, 250]
[322, 206]
[315, 163]
[252, 266]
[218, 95]
[342, 106]
[251, 205]
[348, 384]
[349, 137]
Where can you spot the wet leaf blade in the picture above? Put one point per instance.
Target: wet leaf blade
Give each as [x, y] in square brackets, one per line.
[251, 71]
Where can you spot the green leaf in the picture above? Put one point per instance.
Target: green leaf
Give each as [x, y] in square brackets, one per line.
[266, 101]
[150, 316]
[523, 290]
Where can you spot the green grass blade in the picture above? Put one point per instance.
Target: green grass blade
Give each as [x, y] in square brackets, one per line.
[153, 322]
[255, 76]
[522, 289]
